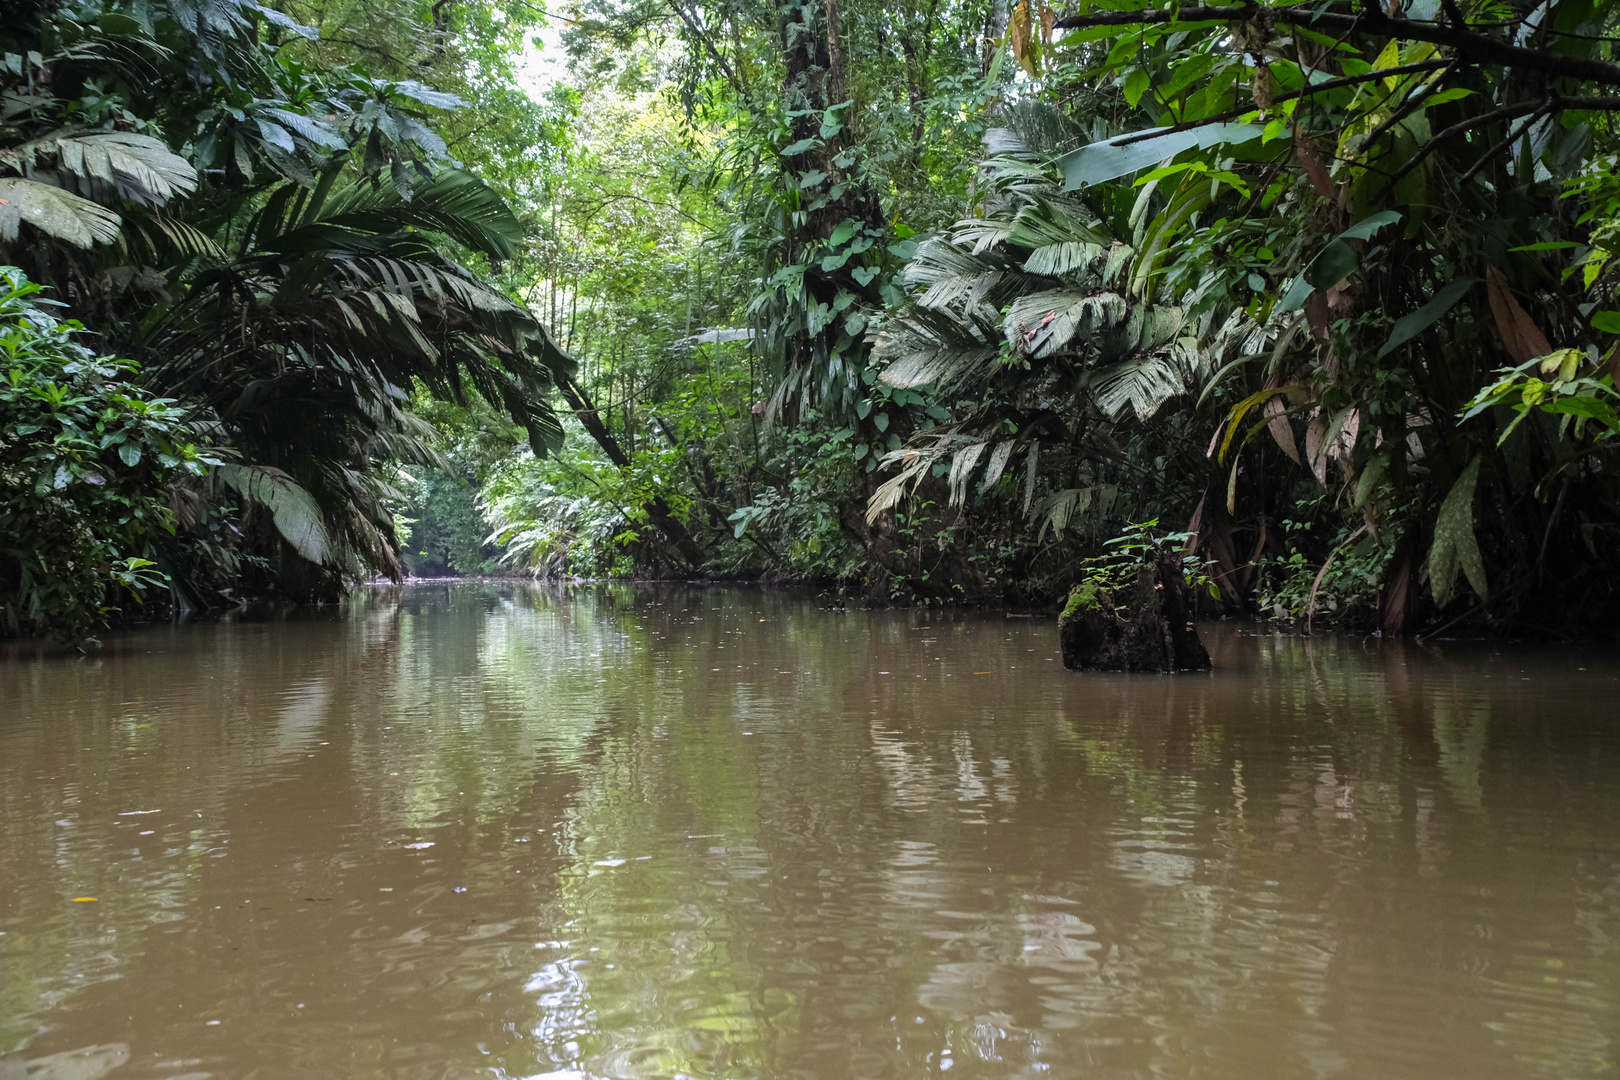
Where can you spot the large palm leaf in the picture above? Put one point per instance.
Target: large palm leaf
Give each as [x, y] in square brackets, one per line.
[306, 344]
[104, 166]
[1025, 315]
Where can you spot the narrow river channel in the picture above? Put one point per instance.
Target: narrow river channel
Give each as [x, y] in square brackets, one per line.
[508, 831]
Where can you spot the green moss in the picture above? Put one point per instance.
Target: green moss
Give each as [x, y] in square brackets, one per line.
[1083, 598]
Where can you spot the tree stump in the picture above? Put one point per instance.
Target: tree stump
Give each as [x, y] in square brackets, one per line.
[1147, 626]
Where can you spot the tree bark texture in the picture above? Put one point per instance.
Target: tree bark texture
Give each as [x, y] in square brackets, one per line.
[1146, 627]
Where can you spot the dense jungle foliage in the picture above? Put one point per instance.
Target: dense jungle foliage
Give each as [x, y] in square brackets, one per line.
[928, 302]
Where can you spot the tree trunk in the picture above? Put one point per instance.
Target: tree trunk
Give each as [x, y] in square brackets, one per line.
[1147, 627]
[658, 511]
[995, 24]
[835, 58]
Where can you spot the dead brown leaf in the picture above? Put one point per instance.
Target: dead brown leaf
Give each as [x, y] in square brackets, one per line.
[1345, 444]
[1521, 337]
[1315, 451]
[1396, 595]
[1279, 427]
[1320, 178]
[1192, 528]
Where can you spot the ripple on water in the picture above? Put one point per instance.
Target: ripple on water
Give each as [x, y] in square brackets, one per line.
[519, 832]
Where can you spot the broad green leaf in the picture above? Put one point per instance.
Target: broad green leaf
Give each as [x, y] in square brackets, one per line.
[1366, 227]
[297, 516]
[1296, 295]
[1136, 84]
[1367, 483]
[276, 136]
[846, 229]
[1338, 260]
[1390, 57]
[1455, 546]
[1108, 160]
[1332, 265]
[793, 149]
[416, 91]
[1590, 407]
[270, 14]
[117, 24]
[54, 212]
[1412, 325]
[1456, 93]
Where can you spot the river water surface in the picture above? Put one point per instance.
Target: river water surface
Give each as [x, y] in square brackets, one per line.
[481, 831]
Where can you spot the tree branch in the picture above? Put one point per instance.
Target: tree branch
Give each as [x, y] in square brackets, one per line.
[1507, 112]
[697, 32]
[1326, 84]
[1405, 110]
[1373, 22]
[1512, 136]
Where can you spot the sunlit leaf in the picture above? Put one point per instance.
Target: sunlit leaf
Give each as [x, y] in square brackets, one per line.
[55, 212]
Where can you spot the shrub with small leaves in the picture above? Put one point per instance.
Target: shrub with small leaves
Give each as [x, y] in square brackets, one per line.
[85, 463]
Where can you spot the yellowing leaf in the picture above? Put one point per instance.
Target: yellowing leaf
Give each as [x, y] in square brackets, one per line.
[1562, 364]
[1019, 35]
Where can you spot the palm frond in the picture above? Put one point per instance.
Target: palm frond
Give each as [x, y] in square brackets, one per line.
[297, 516]
[125, 165]
[1045, 323]
[1144, 382]
[55, 212]
[453, 202]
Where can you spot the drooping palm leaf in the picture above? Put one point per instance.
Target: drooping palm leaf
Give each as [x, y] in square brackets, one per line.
[125, 165]
[298, 517]
[1024, 315]
[306, 344]
[55, 212]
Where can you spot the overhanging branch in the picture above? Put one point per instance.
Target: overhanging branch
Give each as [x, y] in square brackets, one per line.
[1315, 88]
[1371, 22]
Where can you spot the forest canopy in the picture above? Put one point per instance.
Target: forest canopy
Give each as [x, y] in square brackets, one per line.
[930, 303]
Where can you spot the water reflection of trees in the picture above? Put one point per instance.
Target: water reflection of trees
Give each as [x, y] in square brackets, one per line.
[1270, 868]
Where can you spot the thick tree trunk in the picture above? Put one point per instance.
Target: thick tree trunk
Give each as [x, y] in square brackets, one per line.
[1147, 627]
[835, 57]
[813, 81]
[995, 24]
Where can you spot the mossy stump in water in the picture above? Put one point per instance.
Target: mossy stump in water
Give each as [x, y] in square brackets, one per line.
[1147, 626]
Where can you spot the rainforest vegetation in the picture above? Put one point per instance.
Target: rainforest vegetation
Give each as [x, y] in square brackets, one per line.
[927, 302]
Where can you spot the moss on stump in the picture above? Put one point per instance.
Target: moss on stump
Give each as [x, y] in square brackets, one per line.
[1147, 626]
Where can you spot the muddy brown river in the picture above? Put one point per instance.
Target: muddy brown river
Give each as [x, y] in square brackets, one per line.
[506, 831]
